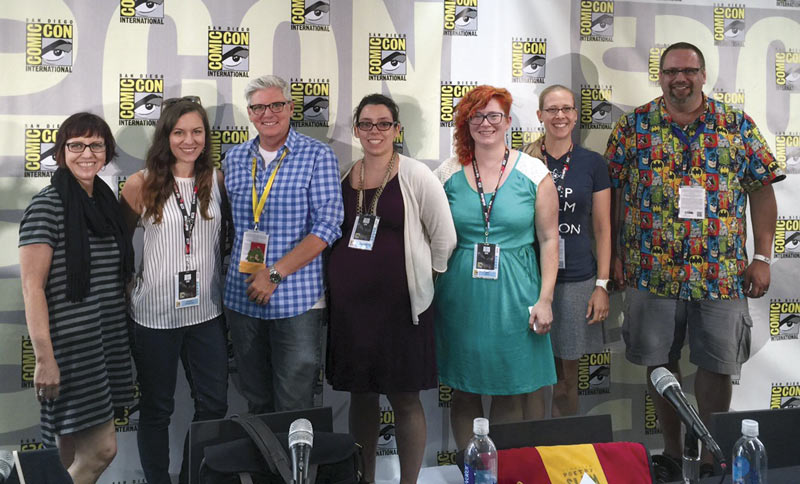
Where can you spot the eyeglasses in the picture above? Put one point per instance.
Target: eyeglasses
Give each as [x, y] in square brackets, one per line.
[174, 100]
[274, 107]
[381, 125]
[493, 118]
[78, 147]
[567, 110]
[687, 71]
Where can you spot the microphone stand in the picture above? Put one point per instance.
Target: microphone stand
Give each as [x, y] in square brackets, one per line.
[691, 457]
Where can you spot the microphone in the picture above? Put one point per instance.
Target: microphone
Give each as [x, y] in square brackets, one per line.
[668, 387]
[301, 439]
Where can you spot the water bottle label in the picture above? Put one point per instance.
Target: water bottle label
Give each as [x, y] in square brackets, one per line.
[476, 476]
[741, 467]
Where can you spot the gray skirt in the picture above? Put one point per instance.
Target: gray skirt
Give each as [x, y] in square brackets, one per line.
[571, 334]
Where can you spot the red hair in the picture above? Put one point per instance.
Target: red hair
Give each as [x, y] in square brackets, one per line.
[476, 99]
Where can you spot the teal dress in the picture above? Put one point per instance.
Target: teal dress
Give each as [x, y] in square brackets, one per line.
[483, 341]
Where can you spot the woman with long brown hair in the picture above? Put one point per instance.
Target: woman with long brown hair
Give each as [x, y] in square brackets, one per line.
[492, 306]
[176, 304]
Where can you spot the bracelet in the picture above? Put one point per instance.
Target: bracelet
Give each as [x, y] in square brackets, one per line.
[602, 283]
[762, 258]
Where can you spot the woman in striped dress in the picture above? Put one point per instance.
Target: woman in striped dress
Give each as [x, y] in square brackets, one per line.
[176, 304]
[75, 255]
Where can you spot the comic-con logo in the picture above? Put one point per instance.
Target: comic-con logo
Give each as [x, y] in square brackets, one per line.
[594, 373]
[140, 99]
[399, 141]
[596, 107]
[784, 319]
[27, 362]
[787, 3]
[735, 99]
[784, 396]
[597, 21]
[40, 151]
[449, 96]
[228, 52]
[651, 424]
[787, 152]
[445, 396]
[48, 46]
[729, 25]
[387, 57]
[460, 17]
[521, 137]
[653, 63]
[787, 238]
[787, 71]
[446, 457]
[120, 184]
[310, 15]
[224, 138]
[311, 100]
[124, 420]
[528, 60]
[141, 11]
[30, 444]
[386, 442]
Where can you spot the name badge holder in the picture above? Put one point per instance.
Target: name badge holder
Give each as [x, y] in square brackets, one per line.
[187, 284]
[486, 256]
[253, 255]
[691, 199]
[365, 226]
[559, 178]
[562, 254]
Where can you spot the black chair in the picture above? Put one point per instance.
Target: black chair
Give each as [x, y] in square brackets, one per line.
[777, 430]
[210, 432]
[39, 467]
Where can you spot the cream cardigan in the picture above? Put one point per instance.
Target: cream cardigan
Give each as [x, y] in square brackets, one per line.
[429, 235]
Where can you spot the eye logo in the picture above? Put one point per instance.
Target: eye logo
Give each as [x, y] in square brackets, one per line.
[787, 152]
[784, 319]
[787, 71]
[521, 137]
[387, 58]
[229, 52]
[460, 17]
[528, 59]
[48, 46]
[596, 107]
[386, 436]
[729, 25]
[40, 157]
[596, 21]
[224, 138]
[311, 102]
[784, 396]
[310, 15]
[141, 11]
[594, 373]
[27, 362]
[787, 238]
[140, 100]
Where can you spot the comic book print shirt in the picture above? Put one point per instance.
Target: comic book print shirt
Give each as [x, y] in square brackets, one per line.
[650, 158]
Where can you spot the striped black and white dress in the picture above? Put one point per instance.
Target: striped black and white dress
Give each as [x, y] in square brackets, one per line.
[90, 338]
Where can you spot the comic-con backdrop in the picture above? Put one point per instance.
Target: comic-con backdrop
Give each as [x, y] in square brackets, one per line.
[121, 58]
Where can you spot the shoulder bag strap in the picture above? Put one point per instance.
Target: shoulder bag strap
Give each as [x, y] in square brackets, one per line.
[267, 444]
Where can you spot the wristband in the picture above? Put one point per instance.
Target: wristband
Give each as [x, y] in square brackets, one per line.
[602, 283]
[762, 258]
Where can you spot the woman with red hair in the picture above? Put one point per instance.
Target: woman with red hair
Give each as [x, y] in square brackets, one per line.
[492, 305]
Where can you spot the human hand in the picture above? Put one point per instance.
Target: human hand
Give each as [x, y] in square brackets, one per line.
[260, 288]
[46, 379]
[597, 309]
[541, 318]
[756, 279]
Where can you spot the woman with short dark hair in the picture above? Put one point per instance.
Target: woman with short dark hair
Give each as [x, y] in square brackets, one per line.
[75, 256]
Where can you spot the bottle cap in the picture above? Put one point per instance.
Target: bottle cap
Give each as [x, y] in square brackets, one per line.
[750, 428]
[480, 426]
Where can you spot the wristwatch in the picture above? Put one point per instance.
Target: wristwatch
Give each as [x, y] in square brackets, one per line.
[602, 283]
[275, 277]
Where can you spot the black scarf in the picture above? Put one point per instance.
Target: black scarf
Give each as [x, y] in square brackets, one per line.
[101, 215]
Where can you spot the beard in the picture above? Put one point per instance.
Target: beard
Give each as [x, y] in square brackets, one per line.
[681, 99]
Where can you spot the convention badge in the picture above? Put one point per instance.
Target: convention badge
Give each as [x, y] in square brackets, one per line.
[364, 229]
[562, 255]
[187, 289]
[254, 252]
[692, 203]
[486, 261]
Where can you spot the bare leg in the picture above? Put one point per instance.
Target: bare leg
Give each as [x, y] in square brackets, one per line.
[411, 434]
[533, 405]
[667, 417]
[506, 408]
[565, 391]
[94, 449]
[365, 427]
[464, 408]
[713, 392]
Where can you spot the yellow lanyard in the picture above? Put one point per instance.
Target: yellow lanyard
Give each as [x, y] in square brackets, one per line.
[258, 203]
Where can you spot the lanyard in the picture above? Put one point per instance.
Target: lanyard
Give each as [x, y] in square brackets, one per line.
[188, 217]
[374, 205]
[487, 209]
[559, 178]
[258, 203]
[687, 142]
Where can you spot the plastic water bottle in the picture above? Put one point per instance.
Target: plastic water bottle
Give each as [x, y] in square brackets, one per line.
[480, 458]
[749, 456]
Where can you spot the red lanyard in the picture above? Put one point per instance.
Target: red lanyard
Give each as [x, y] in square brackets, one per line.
[487, 208]
[559, 178]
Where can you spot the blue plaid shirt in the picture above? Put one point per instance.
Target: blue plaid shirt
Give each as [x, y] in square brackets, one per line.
[305, 199]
